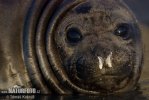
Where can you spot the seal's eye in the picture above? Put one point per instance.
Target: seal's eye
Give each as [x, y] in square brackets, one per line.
[74, 35]
[123, 30]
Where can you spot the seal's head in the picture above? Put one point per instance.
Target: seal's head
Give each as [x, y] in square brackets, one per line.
[99, 45]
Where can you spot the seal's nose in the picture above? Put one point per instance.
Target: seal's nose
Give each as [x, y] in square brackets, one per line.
[107, 61]
[89, 66]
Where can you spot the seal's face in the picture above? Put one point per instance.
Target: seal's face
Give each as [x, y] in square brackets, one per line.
[97, 43]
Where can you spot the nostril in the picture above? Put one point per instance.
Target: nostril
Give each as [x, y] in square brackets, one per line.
[109, 60]
[100, 62]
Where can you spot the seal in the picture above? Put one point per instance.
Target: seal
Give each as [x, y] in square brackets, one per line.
[99, 45]
[70, 47]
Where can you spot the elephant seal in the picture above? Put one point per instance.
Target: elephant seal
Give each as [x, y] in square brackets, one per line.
[70, 47]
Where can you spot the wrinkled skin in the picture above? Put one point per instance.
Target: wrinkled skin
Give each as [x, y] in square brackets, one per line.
[97, 24]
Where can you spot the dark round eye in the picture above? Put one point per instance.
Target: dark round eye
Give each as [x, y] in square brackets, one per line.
[123, 30]
[74, 35]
